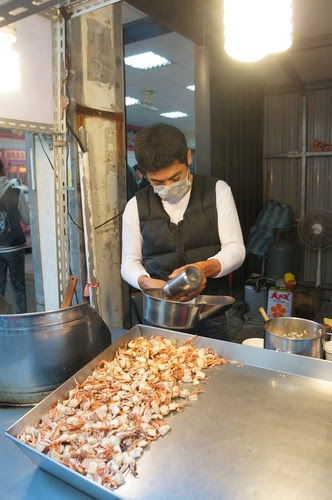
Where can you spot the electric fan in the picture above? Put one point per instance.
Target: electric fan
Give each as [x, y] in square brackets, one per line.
[147, 102]
[315, 232]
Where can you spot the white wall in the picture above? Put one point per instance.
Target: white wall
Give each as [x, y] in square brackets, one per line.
[34, 101]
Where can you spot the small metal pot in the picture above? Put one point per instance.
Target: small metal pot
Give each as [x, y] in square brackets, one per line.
[180, 315]
[295, 336]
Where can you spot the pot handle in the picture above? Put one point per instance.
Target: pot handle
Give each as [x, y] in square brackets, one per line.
[69, 292]
[206, 311]
[263, 313]
[211, 304]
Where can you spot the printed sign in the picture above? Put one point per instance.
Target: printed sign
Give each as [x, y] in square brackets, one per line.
[279, 303]
[15, 154]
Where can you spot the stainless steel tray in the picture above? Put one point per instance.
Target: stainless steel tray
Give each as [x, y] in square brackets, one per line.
[261, 430]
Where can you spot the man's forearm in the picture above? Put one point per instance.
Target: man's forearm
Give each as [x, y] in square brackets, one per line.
[211, 267]
[143, 282]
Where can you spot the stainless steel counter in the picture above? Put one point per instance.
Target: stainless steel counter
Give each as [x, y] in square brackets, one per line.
[262, 430]
[19, 477]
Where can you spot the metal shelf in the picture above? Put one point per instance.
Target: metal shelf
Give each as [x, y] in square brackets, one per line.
[321, 153]
[14, 10]
[311, 154]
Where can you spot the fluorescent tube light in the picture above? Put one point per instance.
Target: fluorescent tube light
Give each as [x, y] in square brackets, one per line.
[131, 100]
[191, 87]
[174, 114]
[146, 60]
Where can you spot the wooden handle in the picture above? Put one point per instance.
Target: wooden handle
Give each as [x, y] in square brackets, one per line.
[69, 292]
[263, 313]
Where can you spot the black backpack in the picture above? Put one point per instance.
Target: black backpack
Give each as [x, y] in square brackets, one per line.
[4, 221]
[8, 203]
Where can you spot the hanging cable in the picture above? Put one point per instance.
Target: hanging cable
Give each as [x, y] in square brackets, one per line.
[76, 137]
[79, 227]
[69, 214]
[80, 144]
[42, 145]
[74, 222]
[109, 220]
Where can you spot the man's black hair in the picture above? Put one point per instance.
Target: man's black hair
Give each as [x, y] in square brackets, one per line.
[138, 168]
[160, 146]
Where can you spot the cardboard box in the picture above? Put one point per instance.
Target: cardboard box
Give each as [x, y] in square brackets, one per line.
[307, 302]
[279, 303]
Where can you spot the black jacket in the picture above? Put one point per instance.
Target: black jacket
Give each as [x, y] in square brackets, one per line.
[11, 233]
[167, 246]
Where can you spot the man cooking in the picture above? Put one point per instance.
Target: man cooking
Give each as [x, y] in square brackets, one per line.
[180, 219]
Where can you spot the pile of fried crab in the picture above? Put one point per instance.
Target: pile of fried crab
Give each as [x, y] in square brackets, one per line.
[107, 421]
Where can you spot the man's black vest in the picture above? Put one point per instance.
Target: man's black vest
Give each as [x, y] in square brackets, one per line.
[168, 246]
[11, 231]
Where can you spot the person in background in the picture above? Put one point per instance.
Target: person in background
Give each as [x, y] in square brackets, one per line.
[180, 219]
[13, 209]
[141, 179]
[15, 182]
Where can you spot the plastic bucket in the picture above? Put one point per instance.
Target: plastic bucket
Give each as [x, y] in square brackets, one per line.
[254, 342]
[328, 350]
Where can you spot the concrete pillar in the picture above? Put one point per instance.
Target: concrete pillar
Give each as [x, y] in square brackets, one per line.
[94, 50]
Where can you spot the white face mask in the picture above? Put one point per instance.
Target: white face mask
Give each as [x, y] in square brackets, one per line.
[173, 192]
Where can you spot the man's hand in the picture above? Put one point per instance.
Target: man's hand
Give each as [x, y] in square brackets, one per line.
[208, 268]
[144, 282]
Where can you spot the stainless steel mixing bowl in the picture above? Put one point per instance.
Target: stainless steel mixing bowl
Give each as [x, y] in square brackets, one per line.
[158, 310]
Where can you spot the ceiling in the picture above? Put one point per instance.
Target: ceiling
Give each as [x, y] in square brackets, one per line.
[306, 64]
[168, 83]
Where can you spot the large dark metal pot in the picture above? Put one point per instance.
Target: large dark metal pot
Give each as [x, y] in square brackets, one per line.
[39, 351]
[295, 336]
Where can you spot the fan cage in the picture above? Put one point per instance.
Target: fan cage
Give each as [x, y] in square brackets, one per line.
[315, 229]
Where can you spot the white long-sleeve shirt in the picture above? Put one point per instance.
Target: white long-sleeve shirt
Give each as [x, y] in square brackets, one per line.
[231, 255]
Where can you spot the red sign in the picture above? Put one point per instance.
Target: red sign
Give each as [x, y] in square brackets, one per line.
[15, 154]
[279, 296]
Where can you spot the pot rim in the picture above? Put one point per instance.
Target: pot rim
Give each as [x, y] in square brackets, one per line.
[169, 301]
[318, 334]
[42, 313]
